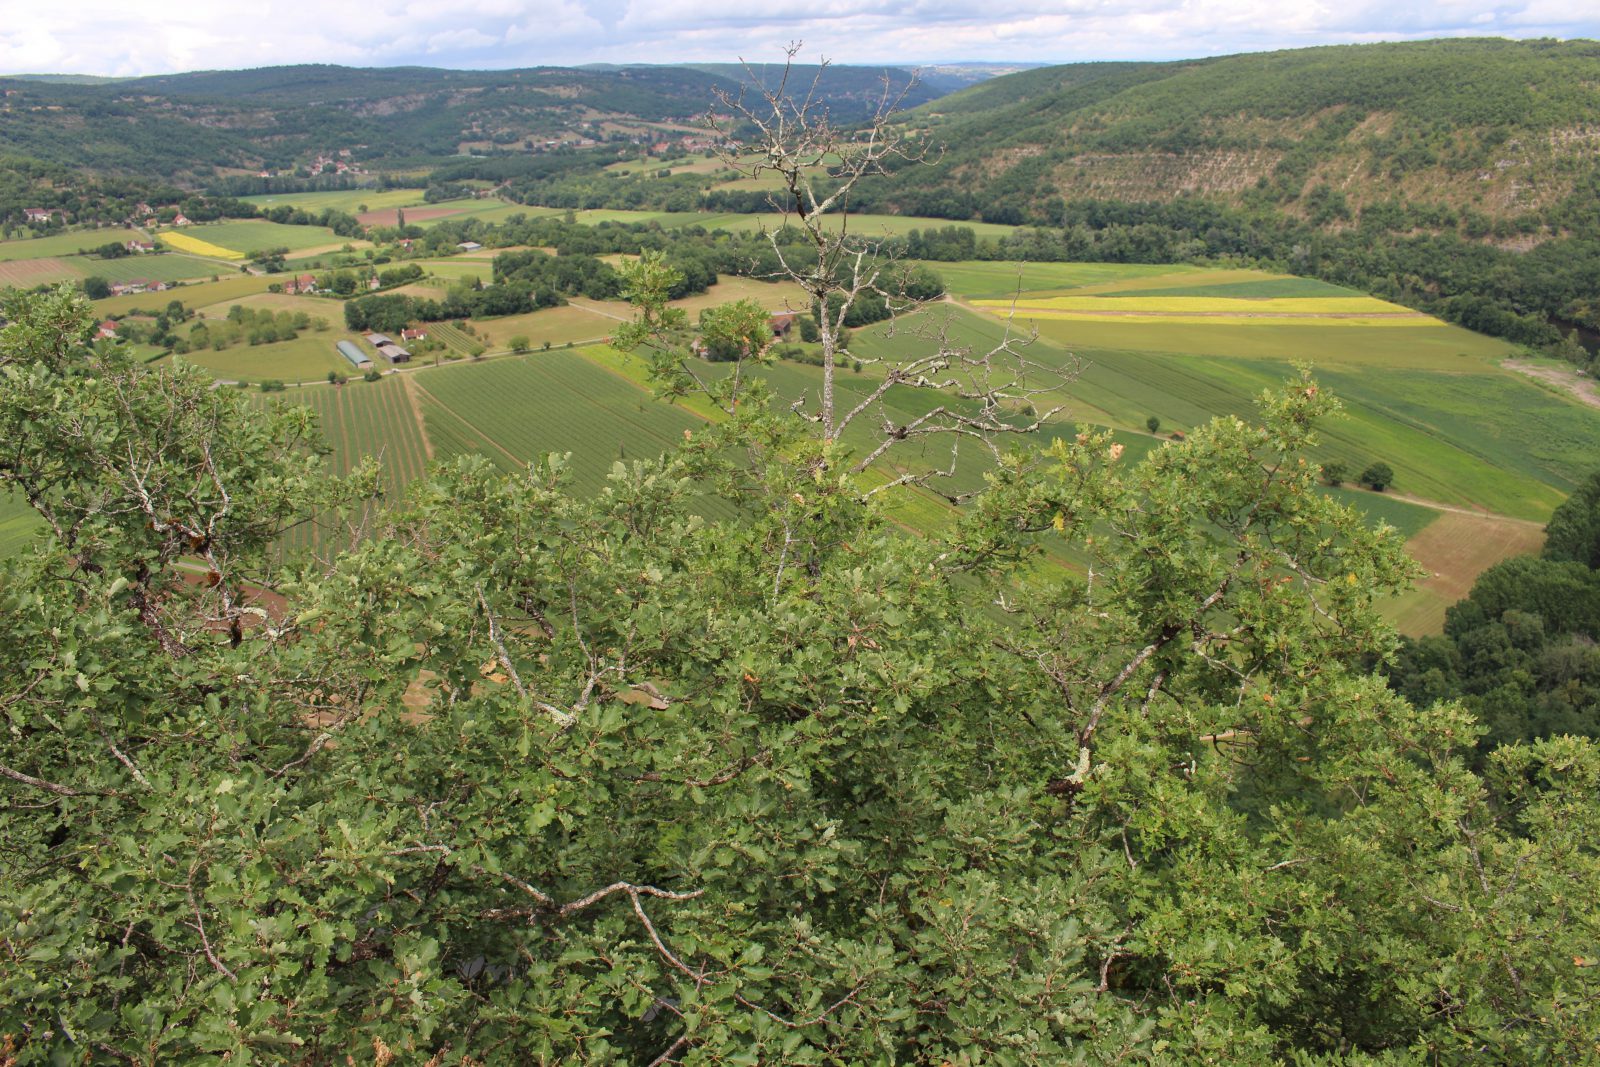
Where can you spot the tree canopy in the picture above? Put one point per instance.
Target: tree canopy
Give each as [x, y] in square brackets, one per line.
[523, 776]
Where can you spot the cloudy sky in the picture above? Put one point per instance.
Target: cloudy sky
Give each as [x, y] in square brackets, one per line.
[120, 37]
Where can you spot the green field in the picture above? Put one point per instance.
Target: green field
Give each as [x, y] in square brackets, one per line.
[349, 201]
[360, 419]
[227, 287]
[455, 270]
[458, 341]
[557, 325]
[517, 410]
[985, 280]
[256, 235]
[308, 358]
[19, 524]
[169, 267]
[1478, 437]
[65, 244]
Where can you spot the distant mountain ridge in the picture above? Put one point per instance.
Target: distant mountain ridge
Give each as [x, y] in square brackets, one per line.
[188, 126]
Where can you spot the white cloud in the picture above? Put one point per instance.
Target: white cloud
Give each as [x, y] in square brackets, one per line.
[161, 36]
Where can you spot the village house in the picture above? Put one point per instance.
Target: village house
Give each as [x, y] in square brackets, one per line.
[141, 246]
[108, 329]
[180, 220]
[413, 333]
[38, 214]
[374, 283]
[138, 285]
[305, 283]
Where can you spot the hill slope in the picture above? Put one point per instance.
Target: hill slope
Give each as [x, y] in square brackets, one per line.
[1498, 127]
[184, 125]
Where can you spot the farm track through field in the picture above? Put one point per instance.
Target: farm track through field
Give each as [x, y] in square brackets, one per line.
[1584, 390]
[411, 388]
[479, 434]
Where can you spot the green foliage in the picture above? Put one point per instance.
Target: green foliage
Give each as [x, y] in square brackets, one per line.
[1378, 476]
[1574, 530]
[1152, 424]
[774, 782]
[1335, 472]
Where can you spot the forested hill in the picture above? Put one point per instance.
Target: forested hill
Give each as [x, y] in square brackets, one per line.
[186, 126]
[1499, 128]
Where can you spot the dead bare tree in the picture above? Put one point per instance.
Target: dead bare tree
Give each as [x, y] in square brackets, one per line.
[986, 393]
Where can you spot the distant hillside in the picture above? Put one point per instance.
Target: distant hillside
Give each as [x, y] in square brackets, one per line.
[1501, 128]
[188, 127]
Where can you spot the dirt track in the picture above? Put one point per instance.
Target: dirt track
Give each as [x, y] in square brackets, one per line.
[1570, 382]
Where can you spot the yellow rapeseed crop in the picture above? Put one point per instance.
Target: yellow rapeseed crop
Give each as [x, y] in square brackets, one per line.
[184, 243]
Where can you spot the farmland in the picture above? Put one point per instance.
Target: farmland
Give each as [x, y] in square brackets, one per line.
[361, 419]
[1429, 399]
[231, 287]
[557, 326]
[19, 524]
[66, 244]
[331, 311]
[186, 242]
[517, 410]
[1482, 439]
[308, 358]
[350, 201]
[27, 273]
[164, 268]
[247, 237]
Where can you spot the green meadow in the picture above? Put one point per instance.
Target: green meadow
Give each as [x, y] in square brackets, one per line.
[350, 201]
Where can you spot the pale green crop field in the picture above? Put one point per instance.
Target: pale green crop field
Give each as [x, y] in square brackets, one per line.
[308, 358]
[65, 244]
[349, 201]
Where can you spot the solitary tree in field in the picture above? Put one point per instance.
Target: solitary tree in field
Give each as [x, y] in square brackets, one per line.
[1379, 475]
[1335, 472]
[982, 395]
[1152, 424]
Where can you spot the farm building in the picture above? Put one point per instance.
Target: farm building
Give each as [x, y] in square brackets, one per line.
[782, 322]
[141, 246]
[357, 358]
[378, 340]
[394, 353]
[469, 246]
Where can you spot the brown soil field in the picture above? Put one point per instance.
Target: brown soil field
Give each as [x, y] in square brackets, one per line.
[1454, 549]
[413, 214]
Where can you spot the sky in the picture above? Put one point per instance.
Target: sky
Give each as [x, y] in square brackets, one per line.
[117, 37]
